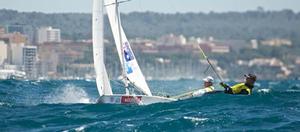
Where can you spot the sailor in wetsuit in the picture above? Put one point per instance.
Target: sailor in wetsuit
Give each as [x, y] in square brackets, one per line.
[241, 88]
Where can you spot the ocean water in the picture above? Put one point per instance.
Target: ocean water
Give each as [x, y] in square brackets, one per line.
[69, 106]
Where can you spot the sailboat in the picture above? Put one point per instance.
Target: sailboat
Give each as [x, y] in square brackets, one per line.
[132, 76]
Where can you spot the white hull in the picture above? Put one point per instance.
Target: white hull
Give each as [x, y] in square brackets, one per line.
[133, 99]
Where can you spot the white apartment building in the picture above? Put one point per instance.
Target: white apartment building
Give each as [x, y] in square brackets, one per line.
[16, 54]
[29, 61]
[3, 52]
[48, 34]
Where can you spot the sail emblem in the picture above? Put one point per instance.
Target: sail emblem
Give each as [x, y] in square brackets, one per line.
[127, 52]
[128, 68]
[128, 55]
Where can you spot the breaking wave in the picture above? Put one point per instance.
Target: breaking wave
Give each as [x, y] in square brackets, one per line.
[69, 94]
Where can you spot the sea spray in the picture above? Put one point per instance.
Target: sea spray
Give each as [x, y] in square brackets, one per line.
[68, 94]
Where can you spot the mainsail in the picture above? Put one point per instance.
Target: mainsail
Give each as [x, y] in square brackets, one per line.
[127, 58]
[102, 80]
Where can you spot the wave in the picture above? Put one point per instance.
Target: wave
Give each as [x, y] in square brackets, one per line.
[41, 106]
[293, 91]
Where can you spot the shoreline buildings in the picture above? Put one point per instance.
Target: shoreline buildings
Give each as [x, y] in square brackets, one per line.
[167, 57]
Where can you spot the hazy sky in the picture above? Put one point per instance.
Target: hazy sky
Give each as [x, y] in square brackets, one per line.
[166, 6]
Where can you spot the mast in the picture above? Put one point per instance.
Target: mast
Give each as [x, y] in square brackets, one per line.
[124, 74]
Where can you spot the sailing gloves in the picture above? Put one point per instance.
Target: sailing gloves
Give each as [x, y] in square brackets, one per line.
[226, 87]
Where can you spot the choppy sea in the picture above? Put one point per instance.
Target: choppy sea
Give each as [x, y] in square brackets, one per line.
[58, 105]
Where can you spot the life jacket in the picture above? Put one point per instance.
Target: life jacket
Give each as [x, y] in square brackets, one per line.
[241, 88]
[203, 91]
[209, 89]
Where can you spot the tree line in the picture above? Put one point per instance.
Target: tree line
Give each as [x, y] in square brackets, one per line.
[227, 25]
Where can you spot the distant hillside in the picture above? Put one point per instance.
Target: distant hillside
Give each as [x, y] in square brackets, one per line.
[231, 25]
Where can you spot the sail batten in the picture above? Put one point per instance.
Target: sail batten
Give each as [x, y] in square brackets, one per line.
[102, 80]
[127, 57]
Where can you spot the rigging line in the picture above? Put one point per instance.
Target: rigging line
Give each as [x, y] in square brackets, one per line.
[118, 83]
[208, 61]
[135, 87]
[118, 2]
[130, 84]
[206, 70]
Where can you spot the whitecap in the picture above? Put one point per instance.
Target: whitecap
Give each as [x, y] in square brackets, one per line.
[90, 80]
[195, 119]
[80, 129]
[264, 90]
[83, 127]
[5, 104]
[130, 125]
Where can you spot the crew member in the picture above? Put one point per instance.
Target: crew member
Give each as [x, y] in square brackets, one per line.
[208, 84]
[241, 88]
[208, 87]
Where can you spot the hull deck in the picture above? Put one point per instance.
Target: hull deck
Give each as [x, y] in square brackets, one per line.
[133, 99]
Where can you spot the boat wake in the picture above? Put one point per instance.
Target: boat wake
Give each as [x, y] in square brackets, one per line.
[69, 94]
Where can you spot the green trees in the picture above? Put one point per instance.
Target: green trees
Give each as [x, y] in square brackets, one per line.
[229, 25]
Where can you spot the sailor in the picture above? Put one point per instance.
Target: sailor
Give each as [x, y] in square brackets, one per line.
[208, 86]
[241, 88]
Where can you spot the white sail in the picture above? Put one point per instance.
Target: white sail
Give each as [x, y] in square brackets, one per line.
[102, 80]
[132, 69]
